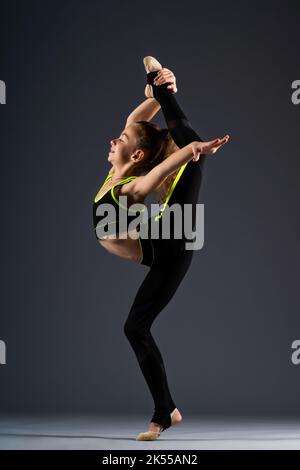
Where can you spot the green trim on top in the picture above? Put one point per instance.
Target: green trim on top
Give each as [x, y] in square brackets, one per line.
[96, 198]
[118, 184]
[171, 191]
[114, 197]
[125, 180]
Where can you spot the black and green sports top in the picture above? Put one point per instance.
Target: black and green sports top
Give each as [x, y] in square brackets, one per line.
[106, 221]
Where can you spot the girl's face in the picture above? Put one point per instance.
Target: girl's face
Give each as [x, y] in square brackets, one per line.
[124, 146]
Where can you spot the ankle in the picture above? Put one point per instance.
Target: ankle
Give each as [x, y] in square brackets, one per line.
[150, 77]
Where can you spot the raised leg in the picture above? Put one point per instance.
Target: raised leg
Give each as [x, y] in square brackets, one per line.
[176, 120]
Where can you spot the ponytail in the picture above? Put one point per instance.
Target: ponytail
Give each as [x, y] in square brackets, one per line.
[155, 141]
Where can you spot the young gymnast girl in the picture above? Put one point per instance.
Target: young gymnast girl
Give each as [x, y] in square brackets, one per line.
[140, 168]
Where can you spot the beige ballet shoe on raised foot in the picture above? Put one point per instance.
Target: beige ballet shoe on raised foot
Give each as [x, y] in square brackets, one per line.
[151, 64]
[153, 435]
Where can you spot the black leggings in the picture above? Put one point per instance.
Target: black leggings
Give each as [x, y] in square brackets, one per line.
[171, 263]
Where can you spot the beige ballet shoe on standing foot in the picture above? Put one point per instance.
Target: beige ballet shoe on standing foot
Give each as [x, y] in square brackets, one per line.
[151, 65]
[153, 435]
[148, 436]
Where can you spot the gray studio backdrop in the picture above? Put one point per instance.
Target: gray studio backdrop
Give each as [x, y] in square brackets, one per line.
[73, 72]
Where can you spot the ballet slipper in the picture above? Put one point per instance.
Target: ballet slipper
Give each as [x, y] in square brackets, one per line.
[153, 435]
[151, 65]
[148, 436]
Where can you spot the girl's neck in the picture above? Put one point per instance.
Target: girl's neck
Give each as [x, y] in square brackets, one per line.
[117, 178]
[118, 175]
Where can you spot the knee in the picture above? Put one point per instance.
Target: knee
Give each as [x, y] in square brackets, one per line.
[127, 329]
[134, 332]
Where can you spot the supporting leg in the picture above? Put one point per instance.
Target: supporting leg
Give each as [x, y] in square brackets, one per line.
[157, 289]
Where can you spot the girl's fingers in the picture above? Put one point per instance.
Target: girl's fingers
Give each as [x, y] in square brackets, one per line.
[168, 75]
[211, 143]
[163, 80]
[219, 141]
[219, 144]
[224, 140]
[163, 77]
[163, 70]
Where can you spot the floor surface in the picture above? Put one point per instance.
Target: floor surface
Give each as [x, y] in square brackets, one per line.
[84, 432]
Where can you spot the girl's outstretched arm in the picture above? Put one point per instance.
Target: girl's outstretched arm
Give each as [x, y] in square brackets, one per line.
[144, 111]
[144, 185]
